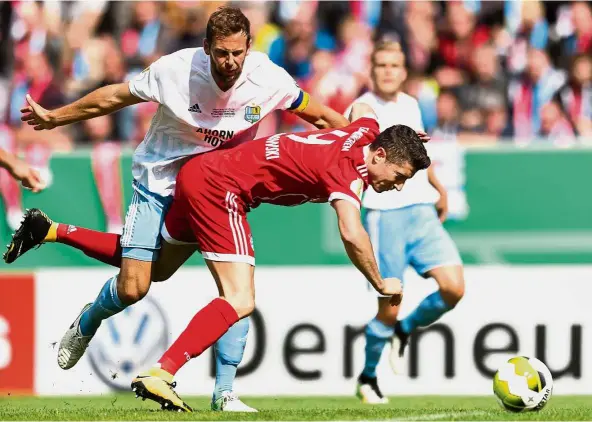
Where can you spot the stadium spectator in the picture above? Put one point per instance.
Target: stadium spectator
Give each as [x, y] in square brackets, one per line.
[463, 35]
[488, 87]
[142, 43]
[576, 96]
[293, 50]
[579, 41]
[528, 95]
[526, 27]
[555, 126]
[448, 117]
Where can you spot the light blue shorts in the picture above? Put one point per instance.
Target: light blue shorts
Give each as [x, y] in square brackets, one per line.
[410, 236]
[143, 221]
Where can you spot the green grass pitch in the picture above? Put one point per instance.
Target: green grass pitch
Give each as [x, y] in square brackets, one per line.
[126, 407]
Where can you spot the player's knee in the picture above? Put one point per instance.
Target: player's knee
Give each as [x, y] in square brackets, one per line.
[243, 303]
[132, 288]
[452, 289]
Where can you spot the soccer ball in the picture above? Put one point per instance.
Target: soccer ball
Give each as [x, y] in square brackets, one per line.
[523, 384]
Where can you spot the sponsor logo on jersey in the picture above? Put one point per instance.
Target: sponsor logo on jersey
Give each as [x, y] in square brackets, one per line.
[215, 137]
[357, 187]
[223, 112]
[252, 113]
[195, 108]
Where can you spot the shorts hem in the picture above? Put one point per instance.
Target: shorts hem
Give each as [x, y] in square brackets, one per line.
[444, 264]
[170, 239]
[222, 257]
[140, 254]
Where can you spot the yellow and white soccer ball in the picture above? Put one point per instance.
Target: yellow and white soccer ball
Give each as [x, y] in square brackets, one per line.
[523, 384]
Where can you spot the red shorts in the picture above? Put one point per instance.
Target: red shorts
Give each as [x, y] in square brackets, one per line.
[209, 215]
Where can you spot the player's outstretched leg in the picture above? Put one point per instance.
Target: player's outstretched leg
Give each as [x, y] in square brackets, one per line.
[229, 353]
[32, 232]
[451, 290]
[37, 228]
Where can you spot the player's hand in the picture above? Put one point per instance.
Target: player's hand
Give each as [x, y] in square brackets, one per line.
[442, 207]
[29, 177]
[394, 288]
[36, 116]
[423, 136]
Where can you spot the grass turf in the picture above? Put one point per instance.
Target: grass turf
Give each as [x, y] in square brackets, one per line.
[125, 407]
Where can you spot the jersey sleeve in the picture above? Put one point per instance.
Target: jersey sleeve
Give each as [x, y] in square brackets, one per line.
[346, 185]
[292, 98]
[147, 85]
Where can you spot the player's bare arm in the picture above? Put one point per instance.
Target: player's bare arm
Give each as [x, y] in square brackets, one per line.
[320, 115]
[21, 171]
[359, 249]
[360, 110]
[442, 203]
[100, 102]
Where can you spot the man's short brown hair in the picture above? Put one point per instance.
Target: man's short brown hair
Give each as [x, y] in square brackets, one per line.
[226, 21]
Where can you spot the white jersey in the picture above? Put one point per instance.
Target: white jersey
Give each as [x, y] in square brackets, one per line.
[417, 190]
[195, 116]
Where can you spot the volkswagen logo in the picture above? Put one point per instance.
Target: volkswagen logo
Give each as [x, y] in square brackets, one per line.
[128, 343]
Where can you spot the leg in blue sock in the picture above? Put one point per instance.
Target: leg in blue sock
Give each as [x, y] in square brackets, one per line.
[451, 282]
[427, 312]
[105, 305]
[377, 335]
[229, 353]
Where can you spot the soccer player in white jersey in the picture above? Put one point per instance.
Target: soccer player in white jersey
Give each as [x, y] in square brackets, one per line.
[208, 97]
[405, 228]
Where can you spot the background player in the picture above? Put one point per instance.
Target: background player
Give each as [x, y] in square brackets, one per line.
[215, 191]
[405, 229]
[208, 97]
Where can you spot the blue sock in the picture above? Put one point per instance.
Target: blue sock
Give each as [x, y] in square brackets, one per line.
[105, 305]
[427, 312]
[377, 334]
[229, 353]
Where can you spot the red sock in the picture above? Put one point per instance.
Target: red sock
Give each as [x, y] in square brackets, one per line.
[206, 327]
[104, 247]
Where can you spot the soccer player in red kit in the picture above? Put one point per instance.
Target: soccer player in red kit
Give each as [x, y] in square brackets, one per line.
[215, 191]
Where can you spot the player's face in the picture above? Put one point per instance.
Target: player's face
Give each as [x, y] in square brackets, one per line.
[385, 176]
[227, 56]
[388, 71]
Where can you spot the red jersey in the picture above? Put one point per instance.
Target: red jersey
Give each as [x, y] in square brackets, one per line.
[215, 191]
[288, 169]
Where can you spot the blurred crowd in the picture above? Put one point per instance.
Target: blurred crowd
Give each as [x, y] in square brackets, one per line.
[481, 70]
